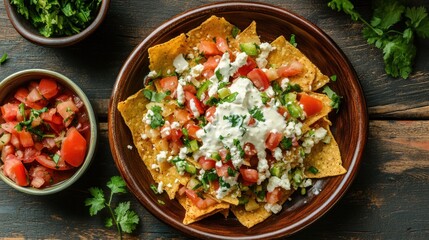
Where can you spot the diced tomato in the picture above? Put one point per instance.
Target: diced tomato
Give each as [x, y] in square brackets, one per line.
[223, 154]
[197, 201]
[169, 84]
[282, 111]
[15, 170]
[192, 195]
[249, 149]
[21, 94]
[47, 161]
[9, 111]
[47, 116]
[215, 184]
[210, 65]
[208, 48]
[8, 149]
[73, 149]
[222, 171]
[14, 140]
[310, 104]
[30, 154]
[274, 196]
[34, 96]
[25, 138]
[206, 163]
[245, 69]
[273, 140]
[175, 147]
[249, 175]
[192, 103]
[251, 122]
[48, 88]
[190, 88]
[58, 128]
[9, 126]
[209, 202]
[40, 175]
[222, 44]
[176, 134]
[259, 79]
[182, 116]
[67, 110]
[192, 130]
[210, 113]
[291, 69]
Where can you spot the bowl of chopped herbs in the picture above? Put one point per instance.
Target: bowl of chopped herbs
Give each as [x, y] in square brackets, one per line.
[56, 23]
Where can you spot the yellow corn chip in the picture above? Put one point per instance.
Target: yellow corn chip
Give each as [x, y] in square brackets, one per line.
[161, 56]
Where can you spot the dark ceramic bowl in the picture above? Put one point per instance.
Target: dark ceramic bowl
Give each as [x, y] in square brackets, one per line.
[349, 125]
[18, 79]
[28, 31]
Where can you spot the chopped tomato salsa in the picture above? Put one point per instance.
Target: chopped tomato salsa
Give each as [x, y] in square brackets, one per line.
[44, 134]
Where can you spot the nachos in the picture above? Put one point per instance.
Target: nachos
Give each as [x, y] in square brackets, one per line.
[229, 122]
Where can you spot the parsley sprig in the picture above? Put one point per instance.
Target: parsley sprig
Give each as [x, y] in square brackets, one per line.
[392, 29]
[125, 219]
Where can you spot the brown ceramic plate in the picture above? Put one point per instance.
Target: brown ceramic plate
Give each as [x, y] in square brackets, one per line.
[349, 125]
[29, 32]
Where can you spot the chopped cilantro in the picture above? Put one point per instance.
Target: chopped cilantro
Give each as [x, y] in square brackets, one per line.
[264, 97]
[58, 18]
[155, 96]
[236, 143]
[235, 120]
[160, 202]
[231, 172]
[293, 40]
[333, 78]
[313, 170]
[156, 120]
[218, 75]
[286, 143]
[235, 31]
[335, 99]
[224, 184]
[257, 114]
[154, 188]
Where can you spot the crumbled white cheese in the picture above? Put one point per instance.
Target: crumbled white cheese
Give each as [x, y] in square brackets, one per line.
[143, 136]
[180, 94]
[261, 60]
[282, 182]
[274, 208]
[161, 156]
[130, 147]
[180, 64]
[277, 153]
[152, 74]
[194, 108]
[147, 118]
[182, 153]
[160, 187]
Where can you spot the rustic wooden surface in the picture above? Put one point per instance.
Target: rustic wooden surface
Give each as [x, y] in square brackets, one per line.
[388, 199]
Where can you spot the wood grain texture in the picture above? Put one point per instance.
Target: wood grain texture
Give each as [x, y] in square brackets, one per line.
[388, 199]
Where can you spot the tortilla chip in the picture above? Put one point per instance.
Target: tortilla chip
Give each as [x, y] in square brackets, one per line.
[212, 27]
[133, 109]
[250, 219]
[320, 81]
[161, 56]
[316, 117]
[193, 213]
[248, 35]
[326, 158]
[284, 53]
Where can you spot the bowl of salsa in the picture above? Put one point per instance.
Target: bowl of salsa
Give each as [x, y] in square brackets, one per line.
[48, 131]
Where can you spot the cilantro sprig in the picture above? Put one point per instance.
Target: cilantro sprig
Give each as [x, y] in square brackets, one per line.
[392, 29]
[3, 58]
[125, 219]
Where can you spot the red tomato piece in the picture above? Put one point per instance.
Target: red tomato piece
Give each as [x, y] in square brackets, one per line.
[222, 44]
[192, 195]
[222, 171]
[21, 94]
[176, 134]
[15, 170]
[251, 122]
[274, 196]
[192, 103]
[67, 110]
[73, 148]
[190, 88]
[192, 130]
[310, 104]
[208, 48]
[25, 138]
[34, 96]
[48, 88]
[249, 175]
[249, 66]
[47, 161]
[259, 79]
[291, 69]
[8, 149]
[249, 149]
[10, 111]
[210, 113]
[210, 65]
[206, 163]
[182, 116]
[169, 84]
[273, 140]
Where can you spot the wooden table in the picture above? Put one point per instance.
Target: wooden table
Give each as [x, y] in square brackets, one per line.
[388, 199]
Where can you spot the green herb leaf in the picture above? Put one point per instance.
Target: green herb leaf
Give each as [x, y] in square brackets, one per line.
[155, 96]
[156, 120]
[235, 31]
[293, 40]
[257, 114]
[126, 218]
[96, 203]
[333, 78]
[3, 58]
[335, 99]
[117, 185]
[346, 6]
[313, 170]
